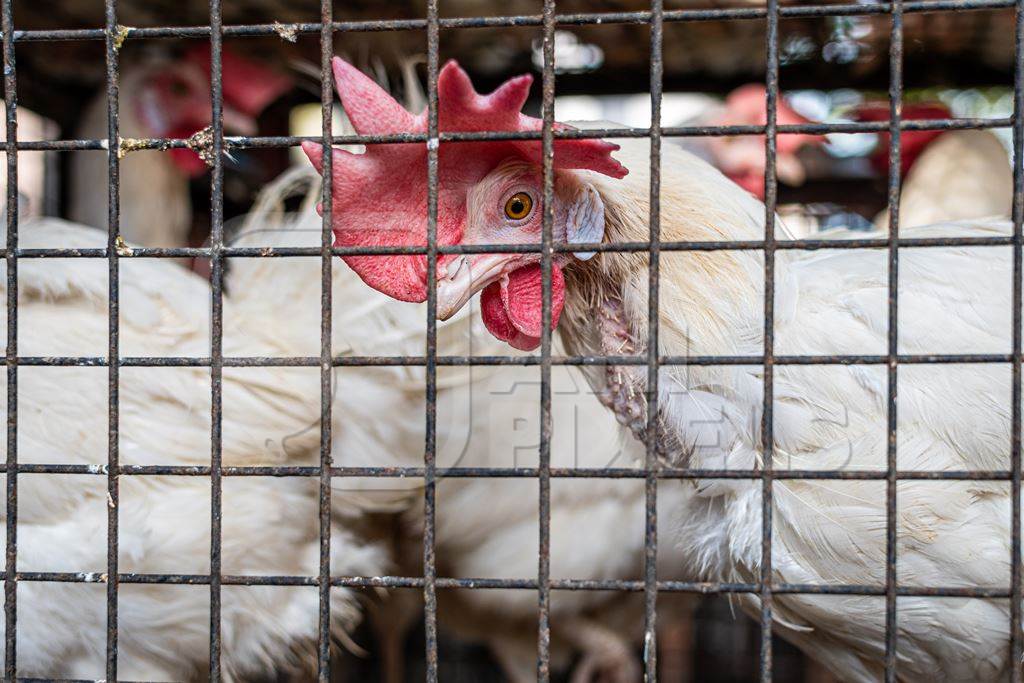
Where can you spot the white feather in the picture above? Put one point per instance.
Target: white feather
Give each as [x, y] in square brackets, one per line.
[486, 417]
[951, 417]
[269, 524]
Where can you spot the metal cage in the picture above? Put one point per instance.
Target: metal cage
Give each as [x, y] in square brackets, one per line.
[113, 34]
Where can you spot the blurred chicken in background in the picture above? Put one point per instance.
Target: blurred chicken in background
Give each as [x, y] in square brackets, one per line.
[35, 184]
[162, 97]
[742, 158]
[947, 175]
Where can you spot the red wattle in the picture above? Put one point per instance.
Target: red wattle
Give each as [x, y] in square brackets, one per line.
[512, 308]
[492, 310]
[188, 162]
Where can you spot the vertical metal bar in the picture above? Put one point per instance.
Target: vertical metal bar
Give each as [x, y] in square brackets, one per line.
[767, 413]
[430, 445]
[653, 422]
[1015, 436]
[544, 454]
[326, 328]
[895, 111]
[216, 331]
[11, 555]
[114, 331]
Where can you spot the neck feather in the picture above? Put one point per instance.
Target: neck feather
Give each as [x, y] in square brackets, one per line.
[709, 301]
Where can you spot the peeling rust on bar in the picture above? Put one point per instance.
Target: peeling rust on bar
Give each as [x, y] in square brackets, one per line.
[287, 32]
[201, 142]
[121, 34]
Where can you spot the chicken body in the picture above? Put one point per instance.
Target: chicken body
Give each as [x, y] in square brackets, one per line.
[270, 525]
[162, 97]
[950, 417]
[486, 417]
[951, 300]
[961, 175]
[156, 209]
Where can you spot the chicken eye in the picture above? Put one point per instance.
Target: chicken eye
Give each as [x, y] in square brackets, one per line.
[518, 206]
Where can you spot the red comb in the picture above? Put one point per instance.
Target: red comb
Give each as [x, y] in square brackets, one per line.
[746, 106]
[380, 197]
[248, 86]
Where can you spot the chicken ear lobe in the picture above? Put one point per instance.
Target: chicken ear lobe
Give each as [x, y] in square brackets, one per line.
[584, 221]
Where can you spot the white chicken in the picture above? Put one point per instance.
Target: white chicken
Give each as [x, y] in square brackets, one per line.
[742, 158]
[270, 524]
[951, 417]
[164, 98]
[947, 175]
[964, 174]
[486, 417]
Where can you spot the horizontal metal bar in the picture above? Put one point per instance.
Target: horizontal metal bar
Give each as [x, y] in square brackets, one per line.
[281, 141]
[626, 585]
[507, 472]
[603, 18]
[617, 247]
[173, 579]
[621, 247]
[484, 361]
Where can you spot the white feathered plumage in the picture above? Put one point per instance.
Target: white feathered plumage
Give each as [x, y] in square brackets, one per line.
[951, 417]
[486, 417]
[269, 524]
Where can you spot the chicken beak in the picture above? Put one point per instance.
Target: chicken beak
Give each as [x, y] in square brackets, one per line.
[464, 277]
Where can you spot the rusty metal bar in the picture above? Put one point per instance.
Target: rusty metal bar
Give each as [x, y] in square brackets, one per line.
[767, 410]
[326, 352]
[1017, 593]
[602, 247]
[282, 141]
[484, 361]
[622, 585]
[651, 462]
[430, 445]
[114, 331]
[544, 449]
[400, 472]
[216, 333]
[579, 19]
[895, 112]
[11, 261]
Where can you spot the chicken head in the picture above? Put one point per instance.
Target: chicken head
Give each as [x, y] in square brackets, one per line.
[489, 193]
[174, 101]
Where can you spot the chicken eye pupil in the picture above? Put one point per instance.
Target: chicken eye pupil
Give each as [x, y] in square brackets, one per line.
[518, 206]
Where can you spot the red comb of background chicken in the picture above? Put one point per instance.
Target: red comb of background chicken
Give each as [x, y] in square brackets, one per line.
[248, 86]
[743, 158]
[912, 142]
[380, 197]
[746, 106]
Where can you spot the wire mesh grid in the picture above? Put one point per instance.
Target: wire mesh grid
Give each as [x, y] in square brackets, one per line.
[765, 588]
